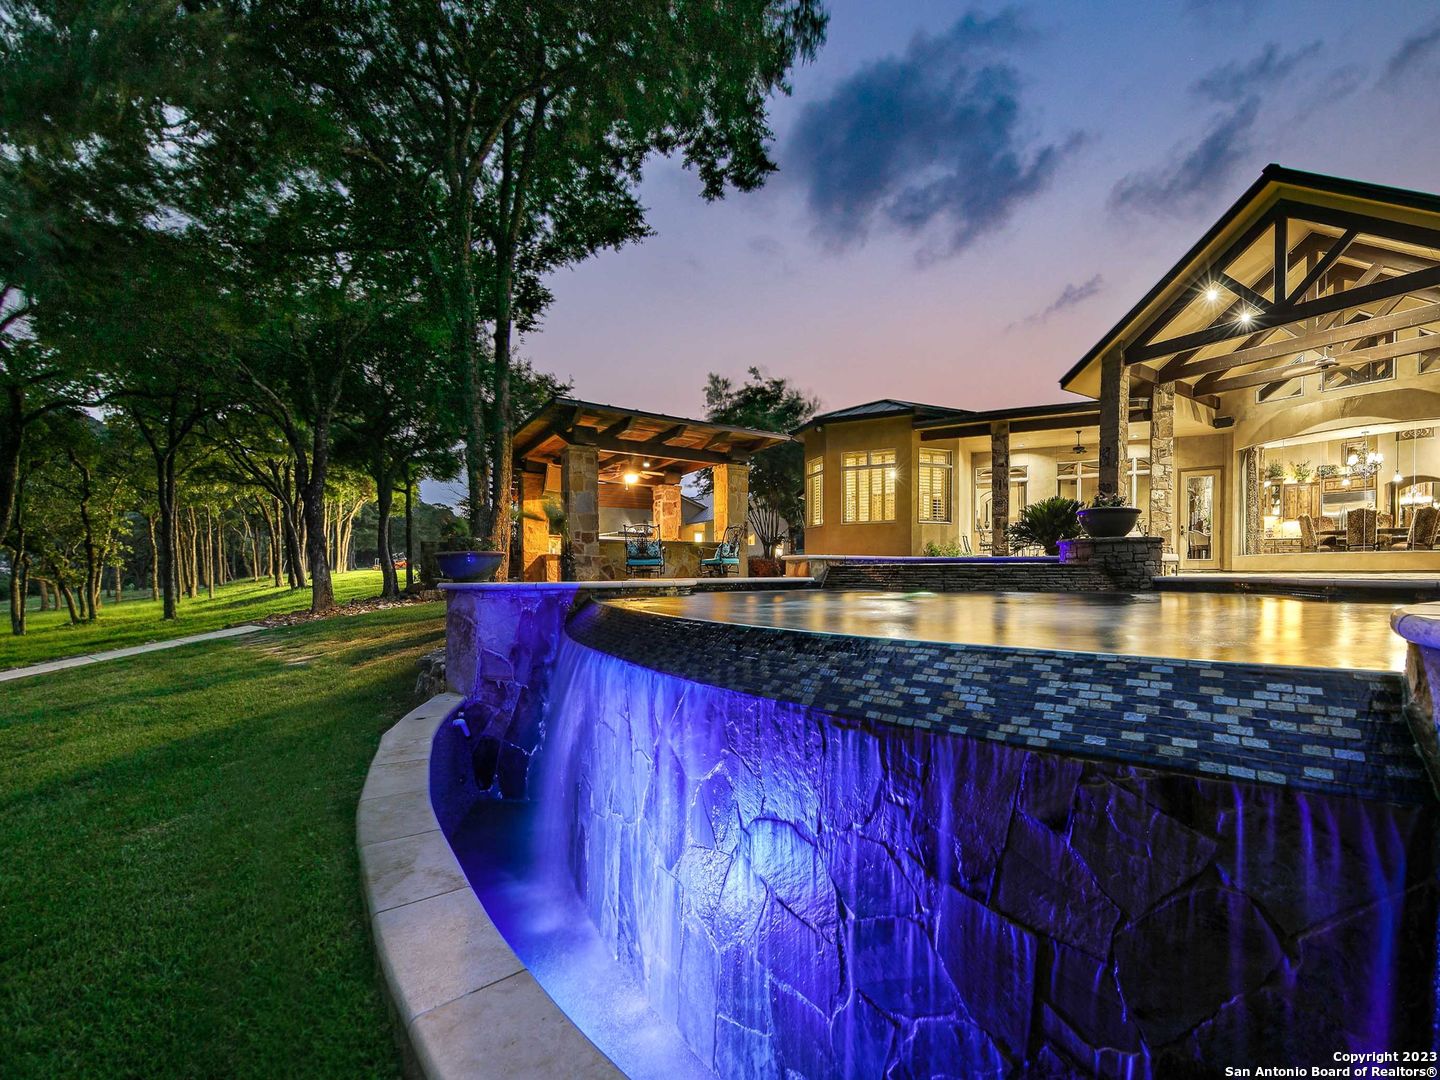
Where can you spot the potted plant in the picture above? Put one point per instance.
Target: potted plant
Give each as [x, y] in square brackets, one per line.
[1045, 523]
[1108, 516]
[1274, 472]
[1324, 472]
[458, 558]
[1300, 470]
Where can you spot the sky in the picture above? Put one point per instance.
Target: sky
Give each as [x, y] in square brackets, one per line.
[968, 198]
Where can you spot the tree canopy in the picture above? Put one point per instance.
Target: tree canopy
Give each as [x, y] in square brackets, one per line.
[281, 250]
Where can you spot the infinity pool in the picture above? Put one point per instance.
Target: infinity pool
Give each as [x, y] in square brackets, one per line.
[1191, 626]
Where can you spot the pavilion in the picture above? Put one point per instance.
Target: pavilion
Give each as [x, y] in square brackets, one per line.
[584, 456]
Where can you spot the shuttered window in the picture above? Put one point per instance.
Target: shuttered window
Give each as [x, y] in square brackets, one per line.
[815, 491]
[869, 486]
[933, 485]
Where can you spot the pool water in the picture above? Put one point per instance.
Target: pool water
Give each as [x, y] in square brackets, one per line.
[1237, 628]
[509, 857]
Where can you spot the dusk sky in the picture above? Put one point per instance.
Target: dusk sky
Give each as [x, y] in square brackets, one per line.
[969, 198]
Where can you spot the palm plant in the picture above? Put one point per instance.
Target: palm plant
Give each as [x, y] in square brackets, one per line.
[1045, 523]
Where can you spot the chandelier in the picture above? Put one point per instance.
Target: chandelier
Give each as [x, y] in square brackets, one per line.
[1364, 464]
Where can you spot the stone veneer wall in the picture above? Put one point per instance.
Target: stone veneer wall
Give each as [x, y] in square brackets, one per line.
[805, 894]
[1123, 564]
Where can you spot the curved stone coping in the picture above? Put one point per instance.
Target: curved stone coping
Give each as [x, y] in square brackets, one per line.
[927, 559]
[1333, 731]
[629, 585]
[467, 1005]
[1418, 624]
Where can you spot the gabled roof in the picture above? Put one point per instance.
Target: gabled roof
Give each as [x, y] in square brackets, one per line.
[1274, 184]
[874, 410]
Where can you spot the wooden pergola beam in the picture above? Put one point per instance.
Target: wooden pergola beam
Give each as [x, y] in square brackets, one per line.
[1326, 261]
[1065, 423]
[1351, 331]
[1289, 313]
[1285, 373]
[656, 448]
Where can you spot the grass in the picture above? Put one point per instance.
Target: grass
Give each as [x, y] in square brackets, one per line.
[179, 889]
[49, 635]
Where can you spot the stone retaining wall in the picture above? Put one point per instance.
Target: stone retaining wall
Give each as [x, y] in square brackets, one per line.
[867, 858]
[1123, 564]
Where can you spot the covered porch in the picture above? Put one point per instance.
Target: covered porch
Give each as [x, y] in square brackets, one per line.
[1305, 319]
[591, 474]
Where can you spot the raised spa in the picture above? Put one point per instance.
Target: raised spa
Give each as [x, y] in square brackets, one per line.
[831, 878]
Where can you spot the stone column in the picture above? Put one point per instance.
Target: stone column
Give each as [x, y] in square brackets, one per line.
[534, 525]
[730, 485]
[580, 496]
[1114, 423]
[1162, 464]
[1000, 488]
[665, 510]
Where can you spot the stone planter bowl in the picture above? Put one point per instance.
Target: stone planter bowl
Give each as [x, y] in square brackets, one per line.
[469, 565]
[1105, 522]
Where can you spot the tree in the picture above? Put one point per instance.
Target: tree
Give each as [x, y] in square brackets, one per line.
[474, 113]
[777, 475]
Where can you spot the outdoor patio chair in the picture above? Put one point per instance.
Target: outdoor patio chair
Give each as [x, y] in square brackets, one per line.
[1424, 524]
[965, 548]
[1361, 529]
[727, 554]
[644, 554]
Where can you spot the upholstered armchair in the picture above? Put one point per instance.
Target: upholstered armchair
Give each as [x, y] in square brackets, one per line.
[1360, 529]
[1308, 540]
[1424, 524]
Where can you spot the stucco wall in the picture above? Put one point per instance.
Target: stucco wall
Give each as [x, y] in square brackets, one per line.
[833, 441]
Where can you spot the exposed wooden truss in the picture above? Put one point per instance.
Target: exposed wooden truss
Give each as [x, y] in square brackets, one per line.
[1357, 307]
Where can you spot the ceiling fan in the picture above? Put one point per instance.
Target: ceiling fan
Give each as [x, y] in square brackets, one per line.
[1079, 447]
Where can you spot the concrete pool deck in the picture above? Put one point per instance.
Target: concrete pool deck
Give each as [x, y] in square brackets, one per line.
[1219, 627]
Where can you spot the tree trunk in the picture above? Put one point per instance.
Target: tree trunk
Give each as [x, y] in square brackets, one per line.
[310, 481]
[154, 560]
[193, 549]
[69, 599]
[409, 532]
[165, 560]
[385, 495]
[12, 437]
[210, 559]
[19, 582]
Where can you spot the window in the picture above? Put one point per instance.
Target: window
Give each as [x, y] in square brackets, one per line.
[1078, 480]
[869, 486]
[1374, 371]
[1429, 358]
[815, 491]
[1281, 389]
[933, 483]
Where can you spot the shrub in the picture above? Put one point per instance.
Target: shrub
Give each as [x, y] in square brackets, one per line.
[1108, 500]
[950, 549]
[1046, 523]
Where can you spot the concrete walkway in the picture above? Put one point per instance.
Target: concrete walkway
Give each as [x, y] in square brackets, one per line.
[117, 654]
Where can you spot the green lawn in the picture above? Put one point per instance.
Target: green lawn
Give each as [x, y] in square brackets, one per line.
[49, 635]
[179, 890]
